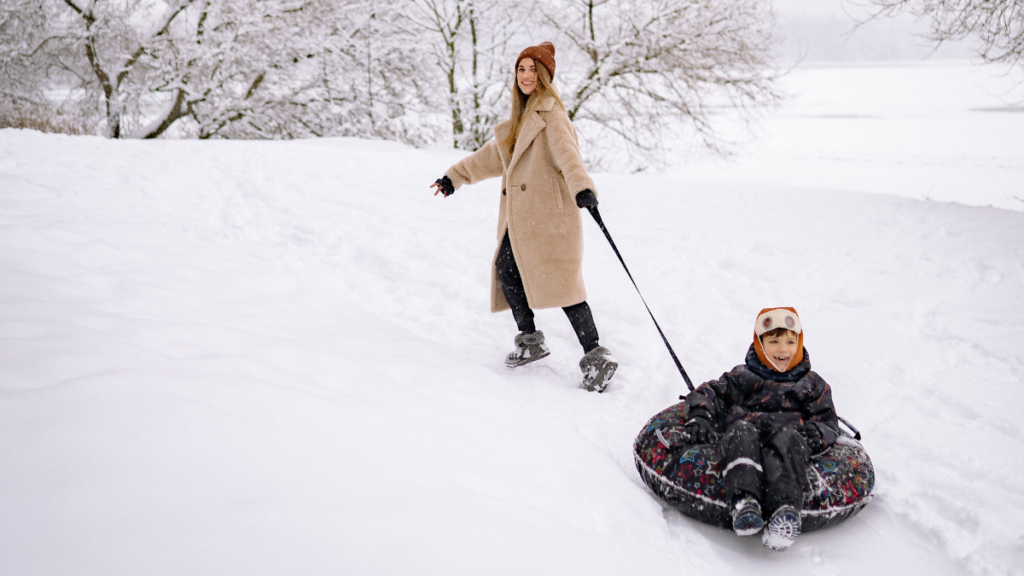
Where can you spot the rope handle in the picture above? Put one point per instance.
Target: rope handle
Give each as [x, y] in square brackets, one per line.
[679, 365]
[856, 433]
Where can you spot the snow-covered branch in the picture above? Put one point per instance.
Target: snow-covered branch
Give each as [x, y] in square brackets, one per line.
[998, 24]
[632, 71]
[643, 71]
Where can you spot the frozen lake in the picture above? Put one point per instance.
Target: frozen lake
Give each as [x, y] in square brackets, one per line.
[947, 131]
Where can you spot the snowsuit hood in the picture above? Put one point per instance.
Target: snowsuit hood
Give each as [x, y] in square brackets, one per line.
[767, 321]
[766, 371]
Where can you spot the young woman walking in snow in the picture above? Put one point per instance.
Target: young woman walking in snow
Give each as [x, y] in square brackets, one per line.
[538, 262]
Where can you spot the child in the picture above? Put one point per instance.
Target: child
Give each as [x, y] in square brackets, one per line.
[775, 413]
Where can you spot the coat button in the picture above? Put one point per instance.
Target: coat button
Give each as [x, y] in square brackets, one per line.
[523, 187]
[502, 192]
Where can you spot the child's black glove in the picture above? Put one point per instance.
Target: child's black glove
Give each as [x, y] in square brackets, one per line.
[700, 431]
[586, 198]
[813, 438]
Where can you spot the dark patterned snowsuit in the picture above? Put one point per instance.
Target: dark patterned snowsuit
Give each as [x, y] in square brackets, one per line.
[760, 410]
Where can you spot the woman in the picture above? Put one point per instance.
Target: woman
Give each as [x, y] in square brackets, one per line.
[538, 263]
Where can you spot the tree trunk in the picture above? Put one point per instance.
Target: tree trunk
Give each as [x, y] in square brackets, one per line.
[174, 112]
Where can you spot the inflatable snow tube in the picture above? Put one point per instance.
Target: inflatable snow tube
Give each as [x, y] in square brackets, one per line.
[839, 481]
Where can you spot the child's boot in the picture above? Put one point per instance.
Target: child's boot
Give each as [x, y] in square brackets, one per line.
[598, 367]
[529, 348]
[746, 516]
[783, 529]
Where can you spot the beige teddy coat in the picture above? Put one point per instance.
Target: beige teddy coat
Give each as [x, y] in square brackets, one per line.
[537, 205]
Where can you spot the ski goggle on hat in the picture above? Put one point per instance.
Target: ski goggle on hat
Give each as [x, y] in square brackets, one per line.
[775, 319]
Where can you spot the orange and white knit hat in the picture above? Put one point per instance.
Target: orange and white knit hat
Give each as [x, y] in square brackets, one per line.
[772, 319]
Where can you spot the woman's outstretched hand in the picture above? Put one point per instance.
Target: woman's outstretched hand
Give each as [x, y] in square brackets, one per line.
[444, 186]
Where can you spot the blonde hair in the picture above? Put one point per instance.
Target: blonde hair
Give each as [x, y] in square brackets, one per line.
[523, 105]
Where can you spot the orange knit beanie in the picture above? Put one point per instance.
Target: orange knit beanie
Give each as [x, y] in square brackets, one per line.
[543, 53]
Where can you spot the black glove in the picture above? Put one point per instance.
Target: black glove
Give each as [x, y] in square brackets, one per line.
[700, 431]
[446, 187]
[813, 438]
[586, 198]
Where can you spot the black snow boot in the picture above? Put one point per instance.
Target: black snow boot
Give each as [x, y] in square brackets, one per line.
[529, 348]
[746, 516]
[783, 529]
[598, 367]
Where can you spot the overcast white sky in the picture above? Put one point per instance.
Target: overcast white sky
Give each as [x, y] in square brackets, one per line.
[825, 30]
[818, 7]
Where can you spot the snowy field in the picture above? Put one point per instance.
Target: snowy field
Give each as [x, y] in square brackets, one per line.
[268, 358]
[950, 131]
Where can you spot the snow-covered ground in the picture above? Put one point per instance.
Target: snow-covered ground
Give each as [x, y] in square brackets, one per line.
[246, 358]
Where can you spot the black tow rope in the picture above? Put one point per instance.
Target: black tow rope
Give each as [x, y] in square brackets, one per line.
[679, 365]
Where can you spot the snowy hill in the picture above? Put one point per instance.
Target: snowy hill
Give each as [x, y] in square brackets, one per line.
[277, 358]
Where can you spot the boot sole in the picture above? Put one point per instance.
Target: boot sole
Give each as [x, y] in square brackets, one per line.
[781, 532]
[525, 361]
[748, 526]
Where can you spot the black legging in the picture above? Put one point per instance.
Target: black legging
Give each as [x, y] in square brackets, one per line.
[580, 316]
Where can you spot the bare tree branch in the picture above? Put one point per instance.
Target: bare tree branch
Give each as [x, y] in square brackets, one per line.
[642, 72]
[997, 24]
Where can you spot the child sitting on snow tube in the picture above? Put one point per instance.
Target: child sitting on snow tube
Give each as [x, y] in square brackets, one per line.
[765, 419]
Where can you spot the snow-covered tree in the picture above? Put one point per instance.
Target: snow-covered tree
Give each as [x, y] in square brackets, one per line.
[998, 24]
[469, 41]
[114, 36]
[376, 76]
[24, 34]
[286, 69]
[637, 72]
[227, 68]
[49, 47]
[633, 73]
